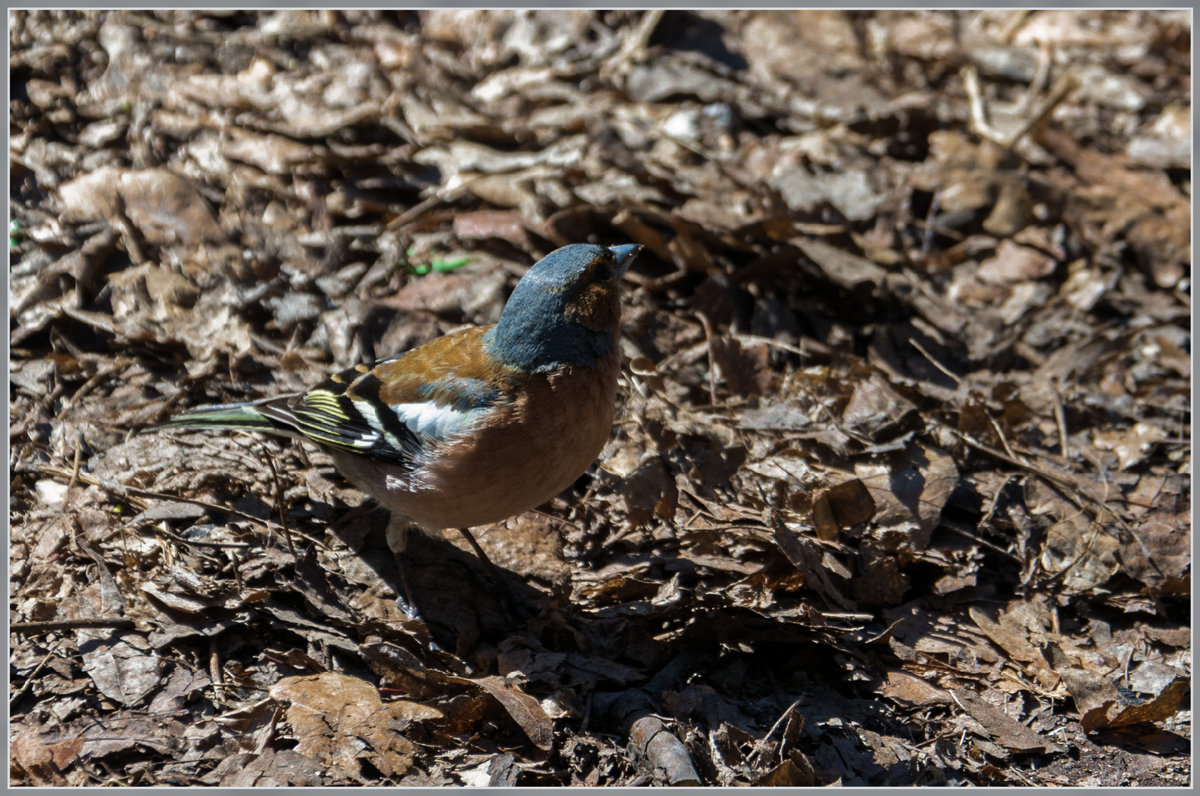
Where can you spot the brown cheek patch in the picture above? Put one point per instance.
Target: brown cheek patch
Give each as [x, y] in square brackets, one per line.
[596, 308]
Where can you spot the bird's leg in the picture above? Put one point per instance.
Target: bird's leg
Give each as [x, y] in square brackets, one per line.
[514, 607]
[397, 542]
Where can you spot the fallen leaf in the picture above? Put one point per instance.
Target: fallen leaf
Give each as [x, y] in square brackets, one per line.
[1003, 729]
[340, 720]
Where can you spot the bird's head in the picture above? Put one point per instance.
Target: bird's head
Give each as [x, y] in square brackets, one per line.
[566, 310]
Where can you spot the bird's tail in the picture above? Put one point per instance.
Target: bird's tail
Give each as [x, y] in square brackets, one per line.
[244, 416]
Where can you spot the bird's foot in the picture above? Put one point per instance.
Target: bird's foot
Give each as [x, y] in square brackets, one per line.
[515, 610]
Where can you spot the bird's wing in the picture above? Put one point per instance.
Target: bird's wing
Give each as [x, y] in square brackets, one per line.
[394, 410]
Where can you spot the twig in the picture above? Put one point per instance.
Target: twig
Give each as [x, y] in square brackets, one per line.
[761, 746]
[663, 751]
[118, 364]
[1058, 93]
[1028, 685]
[29, 681]
[633, 47]
[214, 671]
[1087, 548]
[1045, 60]
[772, 342]
[915, 344]
[135, 497]
[980, 124]
[126, 228]
[70, 624]
[32, 417]
[414, 212]
[279, 503]
[1060, 419]
[75, 465]
[995, 548]
[712, 360]
[978, 120]
[420, 208]
[849, 616]
[199, 542]
[1000, 433]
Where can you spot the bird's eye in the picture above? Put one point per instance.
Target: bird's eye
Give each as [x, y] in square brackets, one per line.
[602, 272]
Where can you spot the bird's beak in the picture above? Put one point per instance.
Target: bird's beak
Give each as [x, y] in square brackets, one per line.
[625, 256]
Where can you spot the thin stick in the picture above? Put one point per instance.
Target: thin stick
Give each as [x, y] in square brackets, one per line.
[279, 504]
[70, 624]
[134, 495]
[933, 361]
[29, 680]
[1060, 419]
[214, 671]
[1000, 434]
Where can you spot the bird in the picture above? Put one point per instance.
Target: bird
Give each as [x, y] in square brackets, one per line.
[477, 425]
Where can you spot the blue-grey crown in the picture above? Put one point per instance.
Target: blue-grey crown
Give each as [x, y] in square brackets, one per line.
[534, 333]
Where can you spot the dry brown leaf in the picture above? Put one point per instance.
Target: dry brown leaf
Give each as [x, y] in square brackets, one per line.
[526, 711]
[841, 506]
[1131, 445]
[164, 206]
[1005, 730]
[909, 499]
[1013, 263]
[122, 665]
[1102, 707]
[43, 763]
[340, 720]
[1080, 552]
[274, 768]
[486, 224]
[874, 407]
[839, 266]
[794, 772]
[912, 690]
[1014, 639]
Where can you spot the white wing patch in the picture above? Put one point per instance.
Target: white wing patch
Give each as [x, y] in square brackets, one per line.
[436, 421]
[371, 415]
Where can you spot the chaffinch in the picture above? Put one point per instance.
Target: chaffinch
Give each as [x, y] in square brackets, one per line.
[480, 424]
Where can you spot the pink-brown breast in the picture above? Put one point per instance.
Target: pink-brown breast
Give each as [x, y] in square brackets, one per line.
[526, 453]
